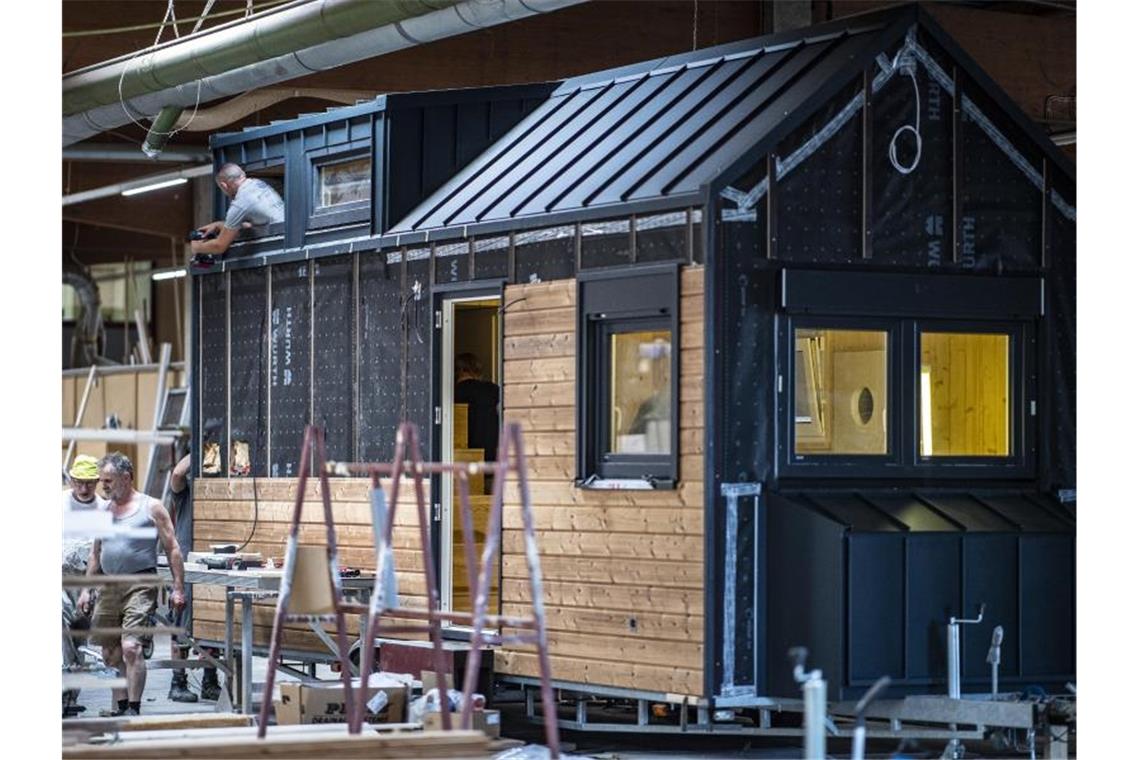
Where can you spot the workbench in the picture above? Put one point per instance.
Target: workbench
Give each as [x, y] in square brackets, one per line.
[257, 585]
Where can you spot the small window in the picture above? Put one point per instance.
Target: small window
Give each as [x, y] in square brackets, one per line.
[640, 400]
[344, 182]
[627, 383]
[840, 392]
[964, 395]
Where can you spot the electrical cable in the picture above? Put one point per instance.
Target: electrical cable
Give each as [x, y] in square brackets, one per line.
[905, 63]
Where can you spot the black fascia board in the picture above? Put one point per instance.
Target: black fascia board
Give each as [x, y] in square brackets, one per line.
[902, 20]
[995, 93]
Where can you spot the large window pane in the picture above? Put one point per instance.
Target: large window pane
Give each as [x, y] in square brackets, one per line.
[964, 395]
[344, 182]
[840, 391]
[641, 402]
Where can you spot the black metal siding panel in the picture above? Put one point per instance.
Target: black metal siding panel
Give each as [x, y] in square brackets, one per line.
[248, 353]
[933, 594]
[1048, 612]
[438, 158]
[405, 146]
[333, 354]
[970, 513]
[989, 568]
[290, 353]
[876, 601]
[911, 512]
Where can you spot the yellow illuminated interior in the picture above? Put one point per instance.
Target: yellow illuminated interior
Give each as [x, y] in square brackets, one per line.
[840, 391]
[640, 403]
[964, 395]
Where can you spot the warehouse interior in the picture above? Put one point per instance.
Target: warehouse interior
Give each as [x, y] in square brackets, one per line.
[635, 374]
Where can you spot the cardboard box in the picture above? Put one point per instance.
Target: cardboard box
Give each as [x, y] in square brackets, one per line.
[429, 680]
[486, 721]
[324, 703]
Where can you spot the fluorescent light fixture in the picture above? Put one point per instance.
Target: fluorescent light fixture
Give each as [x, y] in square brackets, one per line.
[927, 415]
[155, 186]
[168, 274]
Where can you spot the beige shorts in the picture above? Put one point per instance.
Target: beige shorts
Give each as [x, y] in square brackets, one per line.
[122, 607]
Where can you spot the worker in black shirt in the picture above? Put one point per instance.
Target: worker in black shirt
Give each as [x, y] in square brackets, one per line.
[482, 399]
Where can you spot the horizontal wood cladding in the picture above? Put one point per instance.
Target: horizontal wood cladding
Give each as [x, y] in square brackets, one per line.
[224, 513]
[623, 571]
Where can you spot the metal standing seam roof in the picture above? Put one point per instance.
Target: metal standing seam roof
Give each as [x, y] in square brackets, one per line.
[659, 130]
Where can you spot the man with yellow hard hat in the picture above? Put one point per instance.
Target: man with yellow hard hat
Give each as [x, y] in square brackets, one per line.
[83, 477]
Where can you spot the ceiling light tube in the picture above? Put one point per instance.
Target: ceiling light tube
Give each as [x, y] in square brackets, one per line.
[167, 274]
[154, 186]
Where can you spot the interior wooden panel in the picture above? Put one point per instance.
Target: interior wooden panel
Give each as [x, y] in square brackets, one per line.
[969, 384]
[623, 572]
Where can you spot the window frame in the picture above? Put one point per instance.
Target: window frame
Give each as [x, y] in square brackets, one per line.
[650, 301]
[1022, 442]
[903, 397]
[818, 463]
[353, 213]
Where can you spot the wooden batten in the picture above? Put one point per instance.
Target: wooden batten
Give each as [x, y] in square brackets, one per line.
[623, 572]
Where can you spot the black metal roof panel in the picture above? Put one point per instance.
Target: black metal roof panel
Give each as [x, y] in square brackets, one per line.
[660, 130]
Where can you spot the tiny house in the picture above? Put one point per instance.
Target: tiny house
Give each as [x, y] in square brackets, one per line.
[789, 323]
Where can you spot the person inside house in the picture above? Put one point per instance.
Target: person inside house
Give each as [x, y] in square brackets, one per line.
[126, 607]
[482, 399]
[253, 204]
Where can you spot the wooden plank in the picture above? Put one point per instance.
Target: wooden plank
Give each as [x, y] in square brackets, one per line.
[545, 370]
[423, 744]
[283, 489]
[669, 680]
[607, 596]
[69, 400]
[345, 513]
[656, 625]
[624, 649]
[693, 308]
[623, 519]
[654, 572]
[542, 322]
[161, 722]
[561, 343]
[119, 396]
[545, 295]
[678, 547]
[538, 395]
[693, 279]
[546, 419]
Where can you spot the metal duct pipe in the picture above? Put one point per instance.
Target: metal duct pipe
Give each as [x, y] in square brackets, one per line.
[160, 130]
[135, 184]
[119, 153]
[270, 48]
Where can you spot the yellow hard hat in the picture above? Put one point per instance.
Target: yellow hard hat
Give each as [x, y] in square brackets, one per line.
[85, 467]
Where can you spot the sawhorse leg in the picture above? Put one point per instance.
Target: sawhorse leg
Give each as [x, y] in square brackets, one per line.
[229, 644]
[247, 655]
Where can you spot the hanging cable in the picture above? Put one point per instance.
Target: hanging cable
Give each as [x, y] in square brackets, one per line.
[904, 62]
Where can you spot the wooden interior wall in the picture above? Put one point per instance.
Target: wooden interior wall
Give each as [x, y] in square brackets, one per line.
[224, 513]
[969, 387]
[623, 571]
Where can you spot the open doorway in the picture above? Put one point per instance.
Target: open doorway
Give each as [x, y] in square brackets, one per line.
[470, 395]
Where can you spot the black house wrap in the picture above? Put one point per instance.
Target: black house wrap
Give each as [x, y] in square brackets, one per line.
[851, 516]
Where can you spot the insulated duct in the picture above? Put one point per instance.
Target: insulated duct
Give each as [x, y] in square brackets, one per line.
[275, 46]
[89, 323]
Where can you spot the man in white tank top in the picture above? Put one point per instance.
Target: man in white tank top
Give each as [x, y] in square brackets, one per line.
[130, 606]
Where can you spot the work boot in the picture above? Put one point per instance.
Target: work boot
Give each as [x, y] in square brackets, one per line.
[178, 690]
[211, 689]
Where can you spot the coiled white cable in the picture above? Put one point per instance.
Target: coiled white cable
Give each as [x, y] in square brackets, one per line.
[905, 63]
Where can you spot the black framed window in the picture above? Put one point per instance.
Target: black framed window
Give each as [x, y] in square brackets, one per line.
[340, 186]
[628, 379]
[925, 398]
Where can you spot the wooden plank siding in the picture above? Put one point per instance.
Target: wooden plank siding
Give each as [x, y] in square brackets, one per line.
[623, 572]
[224, 513]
